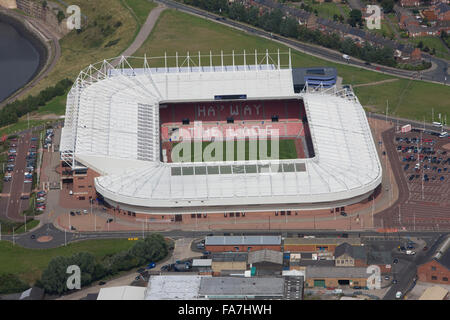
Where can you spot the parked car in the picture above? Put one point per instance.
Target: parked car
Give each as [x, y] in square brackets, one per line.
[398, 295]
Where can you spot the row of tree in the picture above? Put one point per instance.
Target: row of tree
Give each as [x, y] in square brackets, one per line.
[54, 277]
[14, 110]
[275, 22]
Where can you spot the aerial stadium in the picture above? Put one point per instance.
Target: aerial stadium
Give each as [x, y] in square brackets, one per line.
[157, 139]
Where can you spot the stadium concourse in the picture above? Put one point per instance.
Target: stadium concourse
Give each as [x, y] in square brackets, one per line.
[121, 122]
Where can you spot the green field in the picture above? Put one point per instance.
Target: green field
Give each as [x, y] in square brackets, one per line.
[329, 9]
[180, 32]
[55, 106]
[28, 263]
[406, 98]
[433, 42]
[140, 9]
[287, 150]
[30, 225]
[21, 125]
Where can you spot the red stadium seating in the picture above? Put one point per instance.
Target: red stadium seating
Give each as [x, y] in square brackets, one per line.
[252, 117]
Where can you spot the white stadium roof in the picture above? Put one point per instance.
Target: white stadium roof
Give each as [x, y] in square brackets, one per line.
[112, 126]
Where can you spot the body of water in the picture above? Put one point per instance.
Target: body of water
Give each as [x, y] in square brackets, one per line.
[19, 60]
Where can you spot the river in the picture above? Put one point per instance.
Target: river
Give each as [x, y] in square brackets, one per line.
[19, 60]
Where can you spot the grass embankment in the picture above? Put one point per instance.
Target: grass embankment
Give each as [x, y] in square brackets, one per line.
[140, 9]
[110, 30]
[433, 42]
[180, 32]
[407, 98]
[28, 264]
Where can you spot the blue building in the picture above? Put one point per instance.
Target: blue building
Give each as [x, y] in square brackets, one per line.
[314, 76]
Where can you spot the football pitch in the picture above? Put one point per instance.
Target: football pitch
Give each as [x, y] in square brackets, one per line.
[209, 150]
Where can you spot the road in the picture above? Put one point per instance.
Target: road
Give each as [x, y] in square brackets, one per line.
[60, 237]
[407, 270]
[439, 74]
[402, 122]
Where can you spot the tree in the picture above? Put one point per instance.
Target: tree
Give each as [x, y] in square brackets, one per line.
[388, 5]
[355, 17]
[60, 16]
[54, 277]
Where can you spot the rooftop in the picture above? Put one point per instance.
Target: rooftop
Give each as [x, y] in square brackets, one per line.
[322, 241]
[229, 256]
[173, 287]
[434, 293]
[336, 272]
[122, 293]
[238, 287]
[265, 256]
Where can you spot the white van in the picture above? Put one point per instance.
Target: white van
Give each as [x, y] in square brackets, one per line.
[398, 295]
[443, 134]
[410, 252]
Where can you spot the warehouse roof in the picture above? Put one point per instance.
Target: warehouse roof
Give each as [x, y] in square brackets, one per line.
[322, 241]
[201, 262]
[265, 255]
[229, 256]
[122, 293]
[356, 252]
[434, 293]
[335, 272]
[173, 287]
[238, 287]
[242, 240]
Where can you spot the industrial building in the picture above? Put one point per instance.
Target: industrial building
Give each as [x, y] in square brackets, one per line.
[317, 244]
[332, 277]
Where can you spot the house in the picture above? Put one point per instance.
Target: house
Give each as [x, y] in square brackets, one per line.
[421, 31]
[442, 11]
[410, 3]
[347, 255]
[429, 14]
[436, 270]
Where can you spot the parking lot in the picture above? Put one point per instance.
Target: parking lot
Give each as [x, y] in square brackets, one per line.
[425, 165]
[20, 170]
